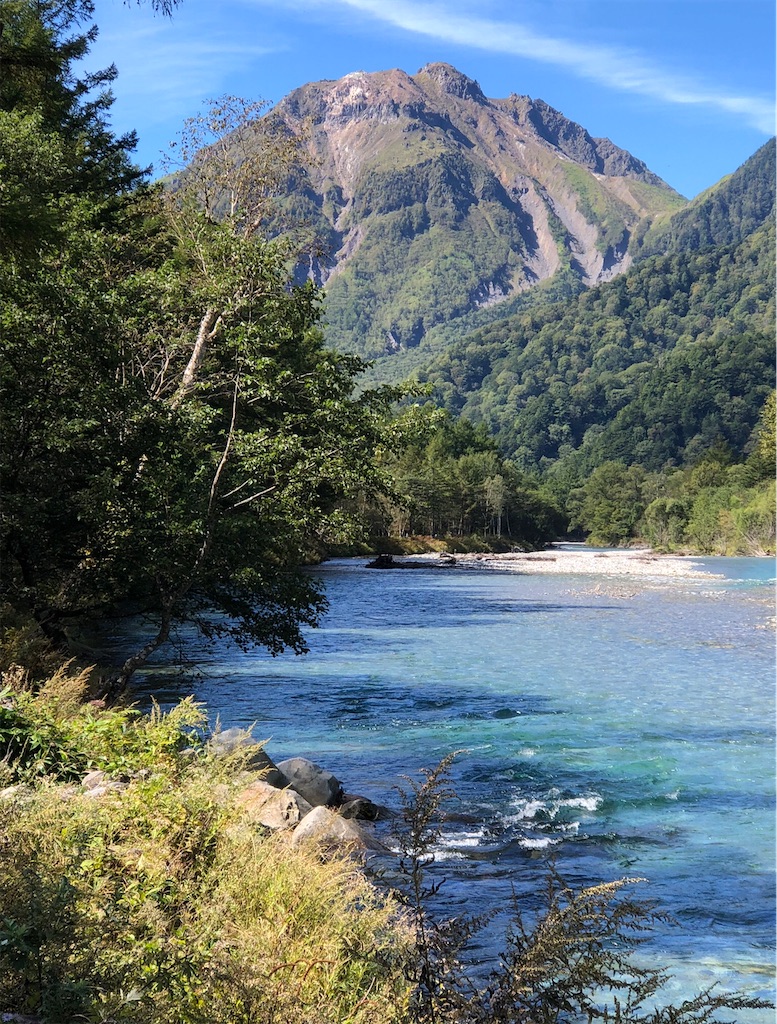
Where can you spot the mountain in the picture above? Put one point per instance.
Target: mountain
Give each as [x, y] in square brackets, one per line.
[723, 215]
[655, 367]
[433, 202]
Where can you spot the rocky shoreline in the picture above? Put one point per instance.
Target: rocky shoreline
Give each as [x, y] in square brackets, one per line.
[298, 796]
[295, 796]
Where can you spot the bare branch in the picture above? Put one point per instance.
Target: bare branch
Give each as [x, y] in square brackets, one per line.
[259, 494]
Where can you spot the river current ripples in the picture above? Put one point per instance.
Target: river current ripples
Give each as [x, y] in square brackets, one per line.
[621, 727]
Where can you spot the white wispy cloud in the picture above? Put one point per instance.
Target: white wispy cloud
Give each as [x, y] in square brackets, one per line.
[625, 70]
[164, 74]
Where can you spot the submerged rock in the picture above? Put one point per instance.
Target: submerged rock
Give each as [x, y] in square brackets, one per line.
[389, 562]
[383, 562]
[363, 809]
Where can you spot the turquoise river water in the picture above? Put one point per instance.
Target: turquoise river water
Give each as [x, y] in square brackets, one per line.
[625, 727]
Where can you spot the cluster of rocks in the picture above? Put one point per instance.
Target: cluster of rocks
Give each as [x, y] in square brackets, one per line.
[296, 796]
[93, 785]
[299, 796]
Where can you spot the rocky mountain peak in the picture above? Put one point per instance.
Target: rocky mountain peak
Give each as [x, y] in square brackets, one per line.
[453, 82]
[431, 201]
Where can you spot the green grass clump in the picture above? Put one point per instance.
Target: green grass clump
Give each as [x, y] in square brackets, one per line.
[162, 902]
[52, 732]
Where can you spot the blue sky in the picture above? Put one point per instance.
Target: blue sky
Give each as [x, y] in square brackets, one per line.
[685, 85]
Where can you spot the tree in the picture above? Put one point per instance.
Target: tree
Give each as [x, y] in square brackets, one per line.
[762, 458]
[41, 46]
[175, 436]
[610, 503]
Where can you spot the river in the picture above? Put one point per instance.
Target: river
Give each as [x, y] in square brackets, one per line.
[621, 726]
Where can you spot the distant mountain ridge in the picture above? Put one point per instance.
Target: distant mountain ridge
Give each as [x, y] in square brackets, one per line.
[724, 214]
[432, 201]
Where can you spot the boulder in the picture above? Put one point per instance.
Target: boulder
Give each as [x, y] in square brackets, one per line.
[329, 829]
[274, 808]
[363, 809]
[19, 791]
[231, 741]
[318, 786]
[107, 786]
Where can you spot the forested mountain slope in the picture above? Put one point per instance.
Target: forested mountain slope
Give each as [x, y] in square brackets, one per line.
[723, 215]
[654, 367]
[432, 202]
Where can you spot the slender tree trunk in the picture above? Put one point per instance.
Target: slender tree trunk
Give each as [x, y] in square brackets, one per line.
[208, 329]
[118, 684]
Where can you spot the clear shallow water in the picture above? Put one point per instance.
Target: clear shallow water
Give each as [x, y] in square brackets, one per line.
[624, 726]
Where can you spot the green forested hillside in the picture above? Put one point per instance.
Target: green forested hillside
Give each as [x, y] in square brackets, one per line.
[653, 367]
[644, 402]
[723, 215]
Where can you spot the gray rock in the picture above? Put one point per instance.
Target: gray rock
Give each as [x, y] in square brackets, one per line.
[68, 791]
[318, 786]
[362, 809]
[93, 780]
[330, 830]
[19, 791]
[232, 741]
[274, 808]
[107, 786]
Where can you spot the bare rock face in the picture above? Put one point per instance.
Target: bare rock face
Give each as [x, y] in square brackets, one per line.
[330, 830]
[274, 808]
[318, 786]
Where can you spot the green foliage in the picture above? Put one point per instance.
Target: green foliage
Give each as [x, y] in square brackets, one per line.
[175, 436]
[163, 903]
[653, 367]
[610, 503]
[49, 732]
[764, 451]
[731, 520]
[455, 483]
[42, 46]
[723, 215]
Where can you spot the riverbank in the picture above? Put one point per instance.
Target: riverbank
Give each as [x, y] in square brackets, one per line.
[567, 559]
[157, 873]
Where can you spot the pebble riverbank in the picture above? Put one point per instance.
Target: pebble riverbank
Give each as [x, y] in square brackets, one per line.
[639, 562]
